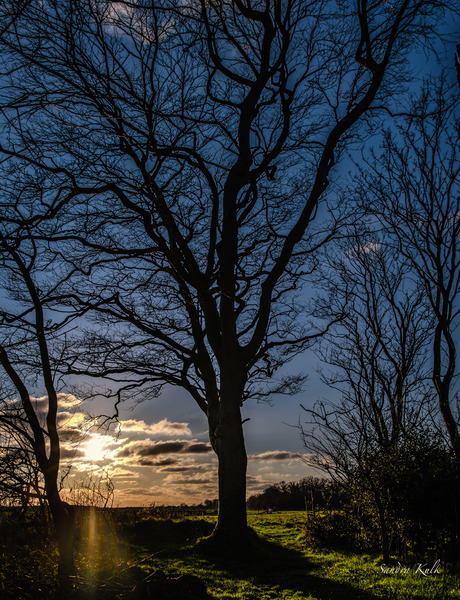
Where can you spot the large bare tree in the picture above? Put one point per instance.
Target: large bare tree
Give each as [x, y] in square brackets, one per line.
[195, 141]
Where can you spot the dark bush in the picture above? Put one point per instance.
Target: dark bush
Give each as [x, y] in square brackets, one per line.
[417, 486]
[333, 530]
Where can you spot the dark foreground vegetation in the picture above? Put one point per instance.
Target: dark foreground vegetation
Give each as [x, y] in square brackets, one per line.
[130, 554]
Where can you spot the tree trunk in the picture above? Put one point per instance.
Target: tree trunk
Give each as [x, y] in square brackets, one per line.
[449, 419]
[383, 528]
[231, 524]
[443, 383]
[64, 524]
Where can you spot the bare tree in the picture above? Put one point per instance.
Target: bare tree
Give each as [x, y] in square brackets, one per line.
[93, 490]
[27, 333]
[378, 350]
[376, 361]
[412, 187]
[195, 141]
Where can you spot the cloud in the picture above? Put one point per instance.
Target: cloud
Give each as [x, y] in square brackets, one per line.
[176, 469]
[146, 462]
[165, 462]
[138, 491]
[121, 475]
[71, 420]
[185, 469]
[147, 449]
[71, 436]
[121, 471]
[371, 248]
[39, 402]
[205, 479]
[71, 453]
[275, 455]
[74, 427]
[196, 481]
[68, 400]
[64, 401]
[163, 427]
[153, 462]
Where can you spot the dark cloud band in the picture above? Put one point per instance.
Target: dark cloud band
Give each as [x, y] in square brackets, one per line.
[159, 448]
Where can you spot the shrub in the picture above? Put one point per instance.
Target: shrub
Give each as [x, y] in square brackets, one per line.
[331, 530]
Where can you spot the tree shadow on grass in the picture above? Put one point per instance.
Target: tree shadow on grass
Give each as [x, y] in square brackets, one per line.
[260, 562]
[160, 534]
[268, 564]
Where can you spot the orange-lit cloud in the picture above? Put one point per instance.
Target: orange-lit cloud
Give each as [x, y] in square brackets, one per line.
[64, 401]
[163, 427]
[71, 453]
[275, 455]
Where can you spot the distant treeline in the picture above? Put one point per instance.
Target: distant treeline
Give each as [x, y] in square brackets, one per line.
[310, 493]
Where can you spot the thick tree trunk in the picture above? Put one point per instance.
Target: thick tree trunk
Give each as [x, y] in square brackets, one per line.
[231, 524]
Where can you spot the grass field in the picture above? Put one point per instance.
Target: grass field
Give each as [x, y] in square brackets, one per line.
[279, 568]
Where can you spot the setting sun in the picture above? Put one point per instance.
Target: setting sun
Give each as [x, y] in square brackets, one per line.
[95, 448]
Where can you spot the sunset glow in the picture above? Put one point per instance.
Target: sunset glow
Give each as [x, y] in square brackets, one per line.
[167, 460]
[95, 448]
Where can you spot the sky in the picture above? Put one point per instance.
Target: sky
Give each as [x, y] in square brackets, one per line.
[158, 452]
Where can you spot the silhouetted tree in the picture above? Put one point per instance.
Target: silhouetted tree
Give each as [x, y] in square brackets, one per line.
[376, 359]
[309, 493]
[27, 332]
[194, 142]
[412, 188]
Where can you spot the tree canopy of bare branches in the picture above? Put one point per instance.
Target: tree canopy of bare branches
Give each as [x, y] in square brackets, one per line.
[28, 332]
[412, 189]
[186, 149]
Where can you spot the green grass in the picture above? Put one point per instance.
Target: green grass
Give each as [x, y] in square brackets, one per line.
[112, 556]
[282, 568]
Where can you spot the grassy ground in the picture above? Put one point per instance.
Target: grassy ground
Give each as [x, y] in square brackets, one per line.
[279, 568]
[283, 568]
